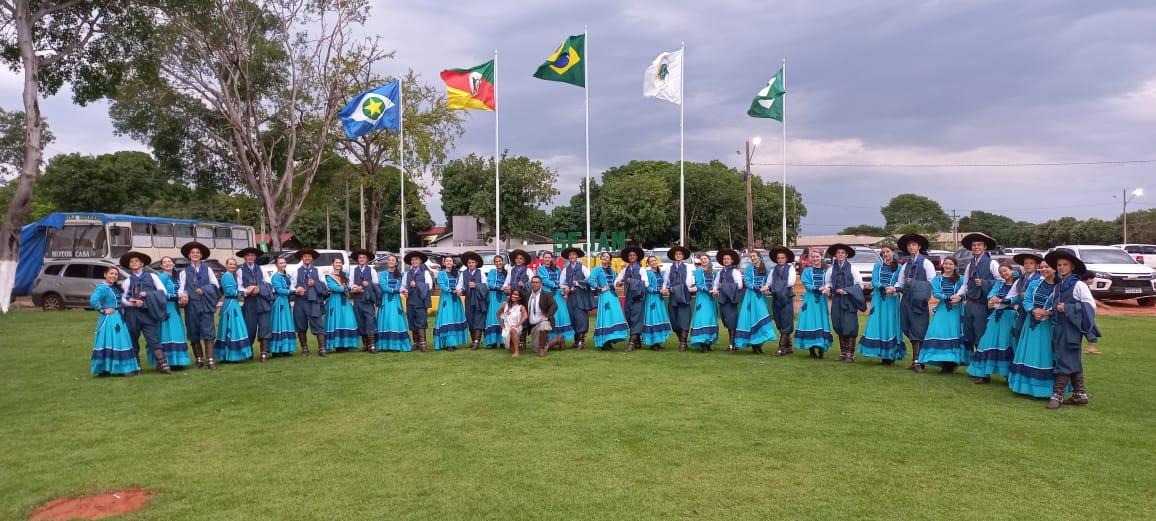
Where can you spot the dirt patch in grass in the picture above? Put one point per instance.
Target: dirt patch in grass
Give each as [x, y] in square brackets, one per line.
[93, 507]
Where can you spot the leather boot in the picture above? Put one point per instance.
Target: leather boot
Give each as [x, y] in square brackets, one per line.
[782, 346]
[210, 361]
[580, 341]
[473, 340]
[915, 365]
[264, 350]
[848, 350]
[163, 365]
[1057, 398]
[367, 344]
[321, 351]
[303, 342]
[1079, 392]
[682, 342]
[631, 342]
[198, 355]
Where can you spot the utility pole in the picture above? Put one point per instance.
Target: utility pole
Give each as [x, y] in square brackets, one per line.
[328, 243]
[346, 246]
[750, 202]
[954, 227]
[1126, 198]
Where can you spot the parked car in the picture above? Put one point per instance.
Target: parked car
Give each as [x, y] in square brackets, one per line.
[1118, 275]
[1016, 251]
[69, 283]
[324, 262]
[863, 263]
[181, 263]
[1144, 253]
[963, 256]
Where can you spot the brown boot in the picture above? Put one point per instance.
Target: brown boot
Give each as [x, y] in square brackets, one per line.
[210, 351]
[424, 345]
[474, 339]
[580, 342]
[303, 343]
[848, 350]
[163, 365]
[198, 355]
[631, 342]
[915, 365]
[264, 350]
[1079, 392]
[1057, 398]
[321, 351]
[784, 346]
[682, 341]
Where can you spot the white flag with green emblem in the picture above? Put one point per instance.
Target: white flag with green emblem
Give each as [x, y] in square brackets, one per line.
[663, 79]
[768, 101]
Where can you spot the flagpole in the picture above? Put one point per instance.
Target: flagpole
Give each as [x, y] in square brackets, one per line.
[586, 90]
[401, 159]
[361, 190]
[682, 150]
[497, 168]
[784, 108]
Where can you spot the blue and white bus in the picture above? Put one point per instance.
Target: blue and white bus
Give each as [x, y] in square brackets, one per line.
[73, 235]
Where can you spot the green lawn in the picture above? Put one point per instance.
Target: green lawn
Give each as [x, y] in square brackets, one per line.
[579, 435]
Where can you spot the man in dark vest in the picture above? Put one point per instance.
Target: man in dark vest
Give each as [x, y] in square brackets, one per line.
[783, 297]
[679, 289]
[472, 286]
[634, 280]
[258, 305]
[728, 289]
[579, 296]
[979, 276]
[145, 300]
[366, 294]
[309, 304]
[416, 285]
[200, 293]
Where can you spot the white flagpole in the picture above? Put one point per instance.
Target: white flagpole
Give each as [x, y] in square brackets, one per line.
[401, 160]
[784, 108]
[682, 150]
[497, 168]
[586, 90]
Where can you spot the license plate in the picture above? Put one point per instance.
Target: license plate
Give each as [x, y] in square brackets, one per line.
[1133, 290]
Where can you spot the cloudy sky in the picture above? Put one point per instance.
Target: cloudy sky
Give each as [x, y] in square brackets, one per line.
[870, 83]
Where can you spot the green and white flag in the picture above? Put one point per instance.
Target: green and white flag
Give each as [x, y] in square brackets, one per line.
[663, 78]
[768, 101]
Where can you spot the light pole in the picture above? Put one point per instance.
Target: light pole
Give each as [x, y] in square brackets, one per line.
[1125, 197]
[752, 144]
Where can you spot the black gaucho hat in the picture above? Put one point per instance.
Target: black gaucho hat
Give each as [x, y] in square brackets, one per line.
[1054, 256]
[520, 253]
[190, 246]
[362, 251]
[972, 237]
[685, 252]
[637, 251]
[1021, 257]
[784, 250]
[727, 252]
[922, 241]
[306, 251]
[472, 255]
[144, 259]
[840, 246]
[573, 249]
[410, 255]
[245, 251]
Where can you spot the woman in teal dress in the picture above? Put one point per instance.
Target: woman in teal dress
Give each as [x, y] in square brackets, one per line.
[1033, 367]
[655, 319]
[232, 334]
[563, 330]
[756, 327]
[609, 322]
[704, 321]
[112, 352]
[993, 354]
[450, 326]
[883, 336]
[174, 342]
[495, 279]
[943, 345]
[340, 321]
[392, 327]
[283, 331]
[814, 328]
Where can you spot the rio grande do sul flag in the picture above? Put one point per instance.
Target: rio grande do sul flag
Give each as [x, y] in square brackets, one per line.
[471, 88]
[768, 101]
[663, 78]
[567, 64]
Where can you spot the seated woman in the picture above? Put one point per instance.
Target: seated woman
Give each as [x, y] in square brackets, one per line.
[513, 316]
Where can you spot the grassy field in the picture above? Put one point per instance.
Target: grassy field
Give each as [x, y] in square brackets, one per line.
[579, 435]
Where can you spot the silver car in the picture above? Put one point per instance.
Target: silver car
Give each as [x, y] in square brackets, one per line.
[69, 283]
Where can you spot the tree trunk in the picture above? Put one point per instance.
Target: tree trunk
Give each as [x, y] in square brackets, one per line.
[33, 155]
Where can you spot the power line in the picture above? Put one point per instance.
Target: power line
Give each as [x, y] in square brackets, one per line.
[961, 165]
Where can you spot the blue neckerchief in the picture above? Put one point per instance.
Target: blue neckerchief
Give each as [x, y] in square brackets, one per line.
[1069, 282]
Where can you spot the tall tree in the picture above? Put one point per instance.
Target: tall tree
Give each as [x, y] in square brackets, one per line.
[864, 229]
[915, 209]
[639, 205]
[468, 189]
[110, 183]
[51, 43]
[262, 81]
[430, 131]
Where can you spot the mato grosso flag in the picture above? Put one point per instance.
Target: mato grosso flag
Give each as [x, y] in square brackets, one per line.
[470, 89]
[567, 64]
[373, 109]
[768, 101]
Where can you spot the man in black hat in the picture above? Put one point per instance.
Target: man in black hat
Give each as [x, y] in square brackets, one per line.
[579, 296]
[841, 283]
[728, 289]
[1030, 263]
[678, 290]
[309, 304]
[782, 296]
[145, 299]
[416, 285]
[257, 307]
[200, 293]
[915, 286]
[1075, 320]
[366, 292]
[472, 285]
[979, 276]
[634, 280]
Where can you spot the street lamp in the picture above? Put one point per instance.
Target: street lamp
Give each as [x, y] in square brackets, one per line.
[752, 144]
[1125, 198]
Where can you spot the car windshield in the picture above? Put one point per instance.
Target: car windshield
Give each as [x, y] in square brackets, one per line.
[865, 255]
[1106, 256]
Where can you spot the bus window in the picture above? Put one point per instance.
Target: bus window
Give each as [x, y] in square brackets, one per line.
[84, 240]
[241, 238]
[221, 237]
[142, 235]
[183, 233]
[204, 233]
[120, 240]
[163, 235]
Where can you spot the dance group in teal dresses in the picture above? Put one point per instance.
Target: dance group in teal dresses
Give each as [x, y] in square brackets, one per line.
[1026, 328]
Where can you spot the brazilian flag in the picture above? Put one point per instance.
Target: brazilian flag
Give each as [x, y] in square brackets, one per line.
[567, 64]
